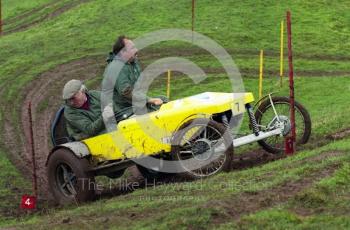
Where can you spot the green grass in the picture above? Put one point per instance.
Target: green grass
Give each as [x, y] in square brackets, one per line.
[326, 204]
[28, 19]
[91, 21]
[46, 47]
[191, 204]
[326, 99]
[11, 183]
[320, 44]
[13, 8]
[272, 63]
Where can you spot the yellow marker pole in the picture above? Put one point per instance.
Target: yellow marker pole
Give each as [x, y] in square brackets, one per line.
[261, 73]
[281, 53]
[168, 85]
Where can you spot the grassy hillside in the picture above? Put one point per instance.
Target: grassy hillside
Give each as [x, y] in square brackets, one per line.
[19, 16]
[305, 190]
[48, 42]
[11, 184]
[14, 8]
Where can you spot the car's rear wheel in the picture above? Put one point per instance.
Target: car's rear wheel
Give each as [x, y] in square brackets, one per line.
[202, 148]
[69, 178]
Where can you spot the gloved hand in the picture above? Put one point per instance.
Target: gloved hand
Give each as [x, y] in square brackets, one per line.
[108, 112]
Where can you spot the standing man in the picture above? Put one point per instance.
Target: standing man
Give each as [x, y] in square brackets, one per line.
[83, 111]
[123, 71]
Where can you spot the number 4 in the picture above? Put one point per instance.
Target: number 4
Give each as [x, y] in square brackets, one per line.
[27, 202]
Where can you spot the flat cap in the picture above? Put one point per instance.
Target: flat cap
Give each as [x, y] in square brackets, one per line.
[71, 88]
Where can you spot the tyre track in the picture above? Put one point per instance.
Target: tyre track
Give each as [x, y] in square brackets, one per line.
[151, 53]
[45, 88]
[48, 16]
[252, 202]
[28, 13]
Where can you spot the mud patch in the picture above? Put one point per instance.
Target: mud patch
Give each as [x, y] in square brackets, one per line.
[153, 52]
[46, 87]
[339, 135]
[254, 158]
[28, 13]
[157, 53]
[324, 156]
[251, 202]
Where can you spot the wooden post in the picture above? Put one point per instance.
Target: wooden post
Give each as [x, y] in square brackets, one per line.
[291, 79]
[168, 84]
[281, 54]
[261, 69]
[31, 141]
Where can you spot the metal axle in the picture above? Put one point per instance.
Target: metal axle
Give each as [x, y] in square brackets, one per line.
[253, 138]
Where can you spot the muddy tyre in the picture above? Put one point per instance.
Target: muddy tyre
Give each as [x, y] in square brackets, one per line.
[207, 144]
[264, 114]
[69, 178]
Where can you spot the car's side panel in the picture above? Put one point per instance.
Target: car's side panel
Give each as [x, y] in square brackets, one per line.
[151, 133]
[79, 149]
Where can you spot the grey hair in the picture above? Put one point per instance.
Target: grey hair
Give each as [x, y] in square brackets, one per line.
[83, 88]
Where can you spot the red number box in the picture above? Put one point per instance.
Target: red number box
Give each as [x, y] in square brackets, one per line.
[28, 202]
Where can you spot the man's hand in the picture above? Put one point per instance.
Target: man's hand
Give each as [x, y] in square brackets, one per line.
[155, 101]
[108, 112]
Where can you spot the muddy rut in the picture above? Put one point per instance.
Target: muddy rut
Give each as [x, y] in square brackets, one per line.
[251, 202]
[57, 11]
[44, 92]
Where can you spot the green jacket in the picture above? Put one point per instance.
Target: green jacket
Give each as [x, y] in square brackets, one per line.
[123, 82]
[82, 123]
[120, 77]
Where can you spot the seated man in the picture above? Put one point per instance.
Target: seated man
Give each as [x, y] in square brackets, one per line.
[83, 111]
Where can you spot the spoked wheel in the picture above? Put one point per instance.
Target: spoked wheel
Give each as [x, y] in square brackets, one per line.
[202, 148]
[69, 178]
[266, 120]
[66, 179]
